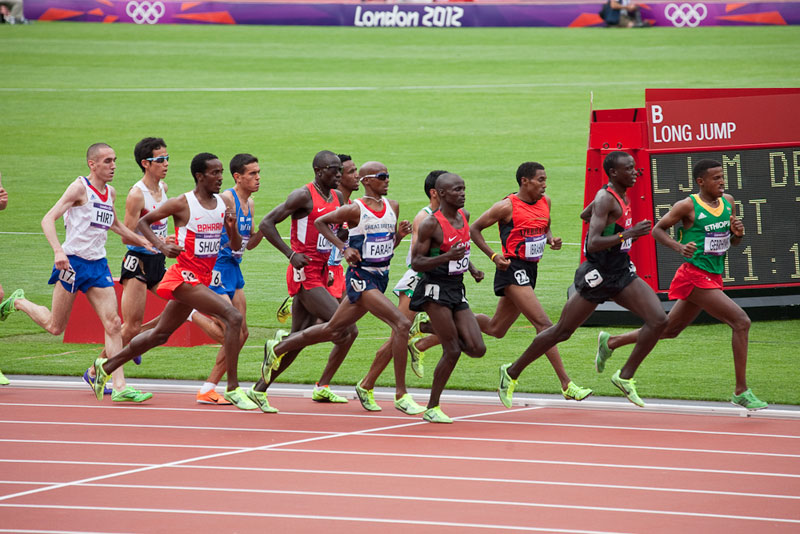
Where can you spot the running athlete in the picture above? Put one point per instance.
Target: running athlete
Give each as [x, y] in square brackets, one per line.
[3, 204]
[523, 219]
[199, 216]
[374, 234]
[307, 273]
[607, 274]
[141, 268]
[710, 226]
[226, 278]
[80, 262]
[441, 252]
[347, 185]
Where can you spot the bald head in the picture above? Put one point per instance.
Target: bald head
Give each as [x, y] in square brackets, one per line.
[324, 158]
[93, 151]
[371, 167]
[447, 180]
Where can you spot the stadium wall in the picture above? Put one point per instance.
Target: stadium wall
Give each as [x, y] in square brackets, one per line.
[434, 15]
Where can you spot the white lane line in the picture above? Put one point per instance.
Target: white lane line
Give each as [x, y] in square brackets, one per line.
[209, 457]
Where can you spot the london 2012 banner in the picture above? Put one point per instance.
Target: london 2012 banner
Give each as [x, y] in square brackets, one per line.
[434, 15]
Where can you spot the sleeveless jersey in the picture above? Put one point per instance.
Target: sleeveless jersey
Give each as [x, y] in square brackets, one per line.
[711, 232]
[336, 256]
[304, 237]
[201, 236]
[150, 204]
[244, 223]
[429, 211]
[450, 238]
[373, 237]
[524, 236]
[615, 258]
[87, 225]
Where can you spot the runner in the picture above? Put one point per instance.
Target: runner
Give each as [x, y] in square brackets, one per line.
[607, 274]
[709, 228]
[441, 253]
[3, 203]
[199, 216]
[347, 186]
[523, 219]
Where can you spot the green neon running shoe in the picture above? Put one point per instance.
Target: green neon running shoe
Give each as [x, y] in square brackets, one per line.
[627, 387]
[260, 398]
[416, 325]
[324, 394]
[603, 352]
[748, 400]
[417, 358]
[507, 385]
[239, 398]
[436, 415]
[367, 398]
[100, 378]
[129, 394]
[7, 307]
[3, 380]
[272, 361]
[408, 405]
[575, 392]
[285, 310]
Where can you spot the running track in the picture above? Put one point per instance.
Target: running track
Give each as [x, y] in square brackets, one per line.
[72, 464]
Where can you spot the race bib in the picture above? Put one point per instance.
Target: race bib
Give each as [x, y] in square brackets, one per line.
[188, 276]
[240, 252]
[160, 229]
[378, 247]
[67, 276]
[534, 247]
[206, 245]
[216, 279]
[130, 263]
[717, 243]
[102, 216]
[459, 266]
[299, 275]
[323, 245]
[593, 278]
[626, 245]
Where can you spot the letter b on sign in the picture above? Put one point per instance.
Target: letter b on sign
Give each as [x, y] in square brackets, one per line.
[656, 114]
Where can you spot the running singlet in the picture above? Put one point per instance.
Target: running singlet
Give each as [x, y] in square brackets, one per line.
[201, 236]
[244, 223]
[429, 211]
[87, 225]
[525, 235]
[373, 237]
[450, 238]
[336, 254]
[150, 204]
[615, 258]
[711, 232]
[305, 239]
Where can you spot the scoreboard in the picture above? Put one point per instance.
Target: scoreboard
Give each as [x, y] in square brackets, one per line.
[754, 133]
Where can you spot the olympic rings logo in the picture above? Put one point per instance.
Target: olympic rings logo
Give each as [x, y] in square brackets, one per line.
[685, 14]
[145, 11]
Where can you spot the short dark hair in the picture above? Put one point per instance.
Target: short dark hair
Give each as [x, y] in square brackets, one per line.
[144, 149]
[430, 181]
[701, 167]
[240, 161]
[92, 151]
[199, 163]
[528, 170]
[611, 160]
[344, 157]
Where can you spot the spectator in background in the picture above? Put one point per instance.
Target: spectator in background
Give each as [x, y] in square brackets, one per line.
[11, 12]
[623, 13]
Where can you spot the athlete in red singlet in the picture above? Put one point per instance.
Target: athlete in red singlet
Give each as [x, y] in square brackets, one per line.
[199, 218]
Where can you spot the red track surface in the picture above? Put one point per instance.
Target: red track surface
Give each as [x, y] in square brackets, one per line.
[77, 465]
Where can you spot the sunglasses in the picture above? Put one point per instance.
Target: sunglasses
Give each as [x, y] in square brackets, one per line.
[158, 159]
[380, 176]
[337, 168]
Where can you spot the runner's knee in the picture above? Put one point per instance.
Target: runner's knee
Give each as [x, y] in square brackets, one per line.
[475, 350]
[741, 323]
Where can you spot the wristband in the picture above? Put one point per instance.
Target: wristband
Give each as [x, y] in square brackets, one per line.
[621, 239]
[292, 256]
[493, 255]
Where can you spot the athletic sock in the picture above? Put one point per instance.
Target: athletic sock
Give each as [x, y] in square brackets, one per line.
[207, 386]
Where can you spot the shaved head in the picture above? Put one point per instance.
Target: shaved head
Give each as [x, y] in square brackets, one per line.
[445, 180]
[95, 149]
[371, 167]
[324, 158]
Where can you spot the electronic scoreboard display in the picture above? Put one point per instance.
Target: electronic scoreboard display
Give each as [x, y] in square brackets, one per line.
[753, 133]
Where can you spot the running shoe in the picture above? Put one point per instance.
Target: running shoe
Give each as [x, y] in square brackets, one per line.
[367, 398]
[239, 398]
[100, 378]
[90, 380]
[748, 400]
[417, 357]
[285, 310]
[3, 380]
[575, 392]
[436, 415]
[628, 387]
[603, 352]
[416, 325]
[408, 405]
[211, 397]
[7, 306]
[130, 394]
[260, 398]
[324, 394]
[507, 385]
[271, 360]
